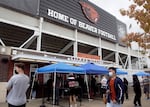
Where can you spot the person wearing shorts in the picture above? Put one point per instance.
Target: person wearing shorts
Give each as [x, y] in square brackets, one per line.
[72, 84]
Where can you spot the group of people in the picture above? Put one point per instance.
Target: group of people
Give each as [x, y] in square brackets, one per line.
[113, 88]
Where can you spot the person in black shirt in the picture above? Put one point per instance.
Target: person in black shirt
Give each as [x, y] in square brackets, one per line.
[49, 88]
[80, 80]
[125, 87]
[93, 86]
[137, 91]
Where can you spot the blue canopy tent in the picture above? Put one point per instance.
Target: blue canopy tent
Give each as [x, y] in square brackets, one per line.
[121, 72]
[91, 68]
[142, 73]
[58, 68]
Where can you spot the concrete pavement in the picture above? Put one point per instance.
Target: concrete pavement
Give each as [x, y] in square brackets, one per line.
[85, 103]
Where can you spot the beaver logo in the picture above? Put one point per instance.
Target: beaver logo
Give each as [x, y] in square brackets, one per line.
[89, 12]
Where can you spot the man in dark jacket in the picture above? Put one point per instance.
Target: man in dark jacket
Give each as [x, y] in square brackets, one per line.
[115, 90]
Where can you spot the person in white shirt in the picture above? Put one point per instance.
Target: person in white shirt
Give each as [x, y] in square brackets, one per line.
[104, 87]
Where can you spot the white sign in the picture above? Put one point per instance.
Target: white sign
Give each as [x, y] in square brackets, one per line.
[59, 16]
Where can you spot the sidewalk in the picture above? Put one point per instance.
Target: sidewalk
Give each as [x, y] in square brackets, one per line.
[86, 103]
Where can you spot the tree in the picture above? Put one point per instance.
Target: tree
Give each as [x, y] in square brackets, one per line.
[139, 10]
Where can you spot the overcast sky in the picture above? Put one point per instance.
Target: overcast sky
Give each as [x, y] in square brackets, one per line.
[113, 7]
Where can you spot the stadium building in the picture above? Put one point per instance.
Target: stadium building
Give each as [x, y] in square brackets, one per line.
[40, 32]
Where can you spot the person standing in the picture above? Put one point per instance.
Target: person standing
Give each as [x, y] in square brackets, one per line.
[17, 87]
[125, 87]
[35, 87]
[57, 87]
[49, 84]
[115, 90]
[72, 85]
[137, 91]
[93, 87]
[146, 86]
[80, 80]
[103, 88]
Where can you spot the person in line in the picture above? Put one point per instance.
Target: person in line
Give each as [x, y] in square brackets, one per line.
[137, 91]
[57, 87]
[80, 80]
[98, 82]
[49, 84]
[17, 87]
[146, 87]
[93, 87]
[104, 88]
[35, 87]
[72, 85]
[115, 90]
[125, 81]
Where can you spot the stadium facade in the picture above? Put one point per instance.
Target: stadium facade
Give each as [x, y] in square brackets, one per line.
[40, 32]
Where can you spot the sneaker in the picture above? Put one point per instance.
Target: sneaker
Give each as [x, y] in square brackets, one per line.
[75, 105]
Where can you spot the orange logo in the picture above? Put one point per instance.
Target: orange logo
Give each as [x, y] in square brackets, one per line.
[89, 12]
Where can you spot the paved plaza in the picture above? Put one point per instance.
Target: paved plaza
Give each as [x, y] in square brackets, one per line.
[85, 103]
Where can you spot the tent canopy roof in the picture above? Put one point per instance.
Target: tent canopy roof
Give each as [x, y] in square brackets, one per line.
[141, 73]
[61, 68]
[121, 72]
[91, 68]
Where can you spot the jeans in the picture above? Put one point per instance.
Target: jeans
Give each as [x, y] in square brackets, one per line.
[57, 96]
[34, 94]
[111, 104]
[9, 105]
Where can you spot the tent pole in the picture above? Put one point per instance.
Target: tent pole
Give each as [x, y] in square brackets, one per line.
[32, 86]
[54, 85]
[86, 79]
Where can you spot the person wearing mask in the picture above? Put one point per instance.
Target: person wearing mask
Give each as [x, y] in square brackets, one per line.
[115, 90]
[125, 87]
[17, 87]
[137, 91]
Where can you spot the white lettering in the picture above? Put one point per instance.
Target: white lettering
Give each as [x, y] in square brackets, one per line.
[58, 15]
[73, 21]
[87, 27]
[106, 34]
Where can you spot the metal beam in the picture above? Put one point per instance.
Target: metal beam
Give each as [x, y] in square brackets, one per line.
[93, 50]
[127, 60]
[75, 45]
[39, 38]
[66, 47]
[2, 42]
[106, 57]
[124, 57]
[121, 60]
[30, 40]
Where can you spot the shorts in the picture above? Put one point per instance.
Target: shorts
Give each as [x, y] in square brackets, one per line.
[103, 90]
[146, 89]
[72, 91]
